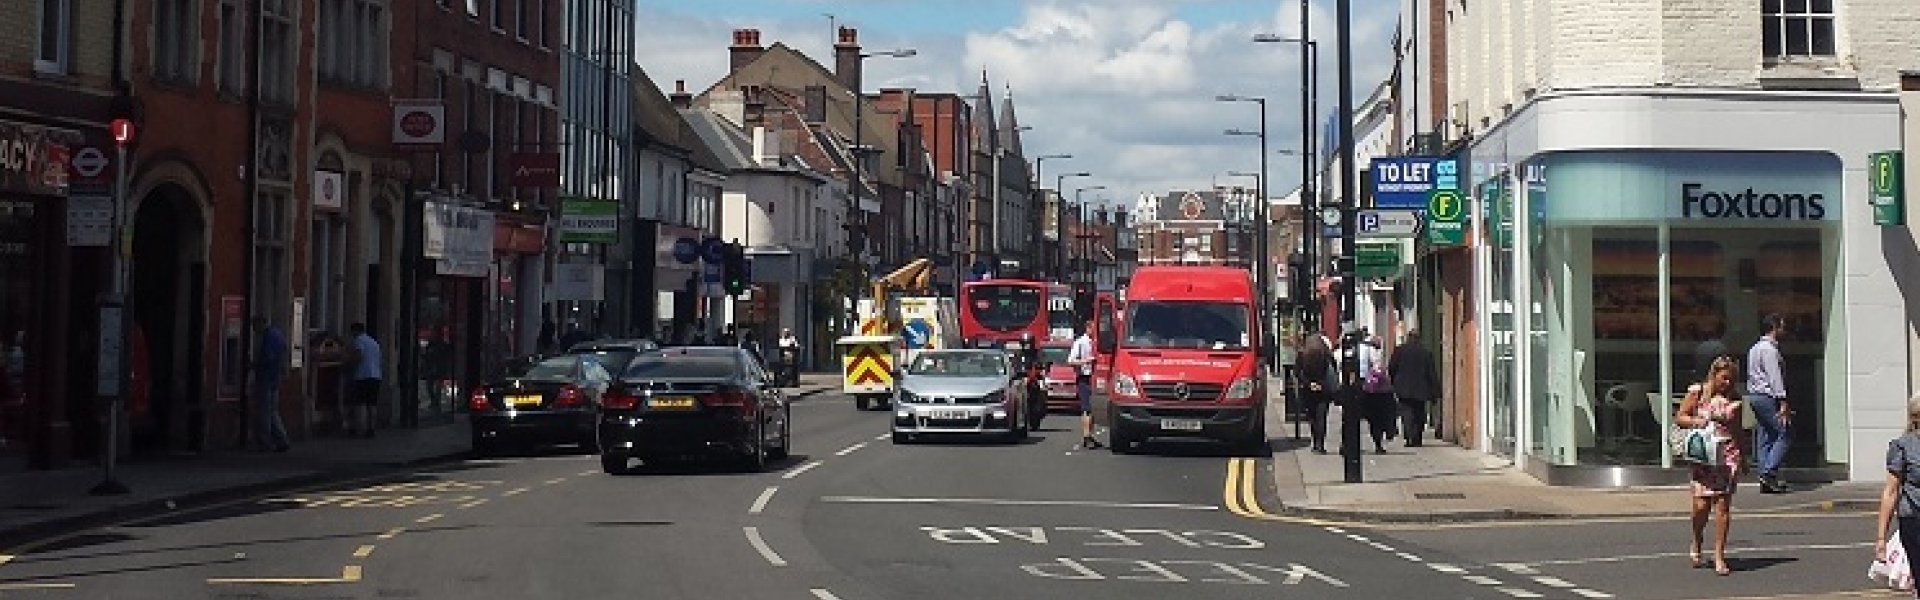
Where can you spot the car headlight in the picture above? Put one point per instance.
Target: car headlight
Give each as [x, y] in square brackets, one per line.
[995, 397]
[1124, 385]
[1241, 389]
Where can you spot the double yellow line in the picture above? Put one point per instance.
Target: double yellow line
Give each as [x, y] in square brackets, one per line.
[1241, 494]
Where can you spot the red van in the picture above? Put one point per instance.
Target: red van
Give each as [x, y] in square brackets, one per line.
[1184, 357]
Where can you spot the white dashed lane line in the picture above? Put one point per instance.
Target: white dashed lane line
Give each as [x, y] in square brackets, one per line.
[760, 545]
[797, 471]
[823, 594]
[760, 503]
[1517, 569]
[850, 449]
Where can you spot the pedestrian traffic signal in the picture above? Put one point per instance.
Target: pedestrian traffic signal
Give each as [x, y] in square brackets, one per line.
[733, 270]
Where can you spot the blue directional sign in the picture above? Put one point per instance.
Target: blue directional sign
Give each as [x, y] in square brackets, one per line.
[917, 333]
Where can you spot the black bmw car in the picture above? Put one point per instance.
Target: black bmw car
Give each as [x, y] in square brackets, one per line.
[541, 399]
[694, 401]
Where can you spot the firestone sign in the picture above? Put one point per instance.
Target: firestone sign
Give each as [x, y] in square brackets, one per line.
[33, 159]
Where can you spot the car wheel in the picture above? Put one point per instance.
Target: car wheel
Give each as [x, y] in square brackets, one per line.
[901, 439]
[862, 403]
[614, 463]
[756, 459]
[1119, 439]
[785, 448]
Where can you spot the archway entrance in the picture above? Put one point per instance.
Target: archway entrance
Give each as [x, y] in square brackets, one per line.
[168, 294]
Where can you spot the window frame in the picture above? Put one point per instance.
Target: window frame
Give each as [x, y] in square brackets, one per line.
[1778, 18]
[62, 61]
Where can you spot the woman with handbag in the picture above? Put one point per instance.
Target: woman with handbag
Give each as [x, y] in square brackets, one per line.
[1710, 406]
[1901, 495]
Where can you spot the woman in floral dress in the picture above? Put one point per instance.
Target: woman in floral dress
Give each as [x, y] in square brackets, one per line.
[1712, 402]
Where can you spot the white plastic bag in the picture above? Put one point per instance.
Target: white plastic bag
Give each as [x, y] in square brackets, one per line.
[1892, 570]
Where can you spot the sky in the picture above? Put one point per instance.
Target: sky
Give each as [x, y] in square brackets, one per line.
[1127, 87]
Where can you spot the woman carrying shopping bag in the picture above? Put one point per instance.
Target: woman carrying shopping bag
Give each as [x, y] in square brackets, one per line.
[1712, 405]
[1901, 495]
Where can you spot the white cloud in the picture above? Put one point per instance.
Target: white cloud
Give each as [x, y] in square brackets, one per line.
[1126, 86]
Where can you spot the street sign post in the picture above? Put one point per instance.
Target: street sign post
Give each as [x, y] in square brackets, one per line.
[1886, 188]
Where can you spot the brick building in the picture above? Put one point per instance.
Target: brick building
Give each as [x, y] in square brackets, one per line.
[1205, 227]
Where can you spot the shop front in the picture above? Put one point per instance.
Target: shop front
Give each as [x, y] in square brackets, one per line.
[1640, 267]
[675, 283]
[33, 284]
[450, 309]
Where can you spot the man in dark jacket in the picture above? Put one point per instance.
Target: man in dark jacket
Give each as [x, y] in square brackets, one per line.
[1416, 382]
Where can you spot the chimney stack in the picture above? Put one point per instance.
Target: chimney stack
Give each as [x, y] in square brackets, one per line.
[846, 60]
[746, 48]
[680, 97]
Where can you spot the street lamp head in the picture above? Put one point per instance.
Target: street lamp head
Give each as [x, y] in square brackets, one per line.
[1241, 132]
[1269, 38]
[1243, 174]
[1080, 174]
[901, 53]
[1053, 156]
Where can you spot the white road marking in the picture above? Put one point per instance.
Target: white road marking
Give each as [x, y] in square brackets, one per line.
[36, 586]
[850, 449]
[1554, 582]
[760, 545]
[1009, 502]
[515, 491]
[1382, 547]
[392, 533]
[1667, 555]
[823, 594]
[6, 558]
[556, 480]
[1591, 593]
[1336, 530]
[1445, 568]
[882, 436]
[1481, 579]
[429, 518]
[365, 550]
[760, 503]
[1409, 556]
[473, 503]
[1516, 568]
[1519, 593]
[800, 469]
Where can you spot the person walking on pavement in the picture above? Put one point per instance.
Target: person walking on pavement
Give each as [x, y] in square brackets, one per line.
[1376, 392]
[789, 356]
[1319, 378]
[1081, 356]
[364, 393]
[1900, 497]
[1416, 382]
[1711, 403]
[1767, 396]
[269, 369]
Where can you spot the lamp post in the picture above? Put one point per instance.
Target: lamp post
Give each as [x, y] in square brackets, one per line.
[1309, 107]
[1060, 222]
[856, 226]
[1260, 273]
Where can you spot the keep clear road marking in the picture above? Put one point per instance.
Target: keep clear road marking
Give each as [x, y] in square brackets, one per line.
[760, 545]
[797, 471]
[348, 574]
[760, 503]
[1012, 502]
[850, 449]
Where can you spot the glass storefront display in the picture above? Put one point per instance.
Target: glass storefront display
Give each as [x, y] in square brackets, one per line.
[1644, 266]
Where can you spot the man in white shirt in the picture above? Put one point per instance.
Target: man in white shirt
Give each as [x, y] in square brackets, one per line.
[364, 393]
[1081, 356]
[789, 356]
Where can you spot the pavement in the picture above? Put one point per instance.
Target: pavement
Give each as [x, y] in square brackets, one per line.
[1441, 482]
[36, 504]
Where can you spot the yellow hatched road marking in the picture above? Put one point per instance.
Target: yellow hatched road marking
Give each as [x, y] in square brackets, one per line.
[363, 551]
[348, 574]
[392, 533]
[36, 586]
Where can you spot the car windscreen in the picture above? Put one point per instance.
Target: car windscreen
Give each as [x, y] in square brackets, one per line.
[612, 359]
[552, 369]
[970, 364]
[657, 366]
[1054, 355]
[1200, 325]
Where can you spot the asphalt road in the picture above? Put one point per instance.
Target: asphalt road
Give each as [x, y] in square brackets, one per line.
[852, 516]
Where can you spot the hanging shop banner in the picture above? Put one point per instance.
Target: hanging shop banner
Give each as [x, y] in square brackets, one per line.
[458, 238]
[585, 221]
[578, 282]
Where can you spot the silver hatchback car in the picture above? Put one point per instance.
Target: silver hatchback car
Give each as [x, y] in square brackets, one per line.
[958, 391]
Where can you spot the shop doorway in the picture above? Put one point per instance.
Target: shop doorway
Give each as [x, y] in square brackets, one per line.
[168, 299]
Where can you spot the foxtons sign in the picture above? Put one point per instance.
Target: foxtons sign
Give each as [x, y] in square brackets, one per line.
[1698, 201]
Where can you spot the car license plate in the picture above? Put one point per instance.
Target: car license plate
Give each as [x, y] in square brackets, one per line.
[519, 401]
[947, 415]
[670, 402]
[1180, 424]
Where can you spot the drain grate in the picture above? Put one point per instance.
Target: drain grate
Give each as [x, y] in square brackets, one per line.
[1440, 496]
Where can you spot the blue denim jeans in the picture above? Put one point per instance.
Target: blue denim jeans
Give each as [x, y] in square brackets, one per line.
[1770, 438]
[272, 431]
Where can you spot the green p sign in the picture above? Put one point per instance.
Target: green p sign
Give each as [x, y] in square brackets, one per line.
[1885, 185]
[1446, 218]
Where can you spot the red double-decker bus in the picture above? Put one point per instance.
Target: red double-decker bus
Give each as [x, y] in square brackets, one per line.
[997, 311]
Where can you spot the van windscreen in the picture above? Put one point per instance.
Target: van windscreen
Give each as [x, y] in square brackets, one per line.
[1198, 325]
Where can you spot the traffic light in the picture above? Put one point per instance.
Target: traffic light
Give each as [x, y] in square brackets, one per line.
[733, 270]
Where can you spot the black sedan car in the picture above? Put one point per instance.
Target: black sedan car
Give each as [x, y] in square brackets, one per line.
[542, 399]
[614, 354]
[694, 401]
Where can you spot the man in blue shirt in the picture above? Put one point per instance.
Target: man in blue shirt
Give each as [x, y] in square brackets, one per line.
[1767, 396]
[269, 370]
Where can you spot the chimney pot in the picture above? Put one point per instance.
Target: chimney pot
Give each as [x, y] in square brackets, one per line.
[746, 48]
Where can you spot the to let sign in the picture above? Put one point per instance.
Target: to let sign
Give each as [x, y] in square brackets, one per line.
[1402, 182]
[1886, 188]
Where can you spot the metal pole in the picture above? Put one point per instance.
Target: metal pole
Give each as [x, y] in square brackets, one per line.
[1261, 276]
[113, 313]
[1060, 228]
[1350, 363]
[853, 224]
